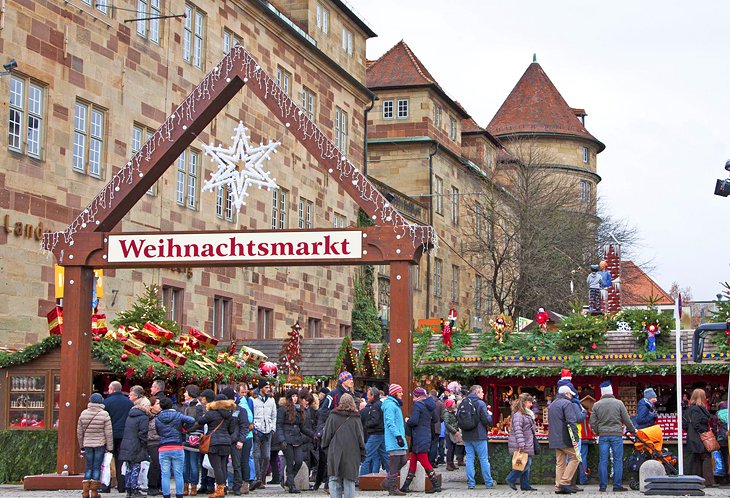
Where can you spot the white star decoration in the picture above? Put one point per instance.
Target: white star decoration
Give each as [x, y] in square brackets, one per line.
[228, 159]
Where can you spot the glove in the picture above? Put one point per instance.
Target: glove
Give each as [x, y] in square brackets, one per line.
[399, 440]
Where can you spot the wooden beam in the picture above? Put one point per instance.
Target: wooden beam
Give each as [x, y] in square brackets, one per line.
[401, 331]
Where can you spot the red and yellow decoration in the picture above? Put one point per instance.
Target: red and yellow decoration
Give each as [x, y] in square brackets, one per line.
[204, 339]
[55, 320]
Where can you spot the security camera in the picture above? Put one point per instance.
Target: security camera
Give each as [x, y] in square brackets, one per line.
[727, 165]
[11, 64]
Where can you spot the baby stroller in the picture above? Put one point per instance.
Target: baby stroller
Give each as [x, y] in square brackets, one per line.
[648, 446]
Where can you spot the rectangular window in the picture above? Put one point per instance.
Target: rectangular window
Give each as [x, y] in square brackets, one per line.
[187, 178]
[488, 157]
[341, 130]
[323, 18]
[387, 109]
[314, 327]
[586, 155]
[230, 40]
[402, 108]
[437, 272]
[438, 195]
[101, 5]
[347, 41]
[437, 116]
[25, 119]
[222, 317]
[585, 193]
[478, 304]
[279, 210]
[416, 276]
[140, 135]
[224, 203]
[454, 206]
[345, 330]
[452, 127]
[283, 78]
[172, 300]
[339, 221]
[193, 35]
[88, 146]
[265, 323]
[305, 213]
[454, 284]
[309, 99]
[147, 26]
[478, 220]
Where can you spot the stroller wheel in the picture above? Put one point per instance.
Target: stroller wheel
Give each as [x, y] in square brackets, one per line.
[634, 484]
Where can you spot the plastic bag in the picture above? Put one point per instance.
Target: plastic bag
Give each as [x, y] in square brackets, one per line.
[143, 469]
[206, 463]
[719, 464]
[106, 472]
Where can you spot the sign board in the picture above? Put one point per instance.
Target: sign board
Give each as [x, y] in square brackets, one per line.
[98, 277]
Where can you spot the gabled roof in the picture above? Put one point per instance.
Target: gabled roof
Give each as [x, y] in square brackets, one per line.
[535, 106]
[637, 287]
[400, 68]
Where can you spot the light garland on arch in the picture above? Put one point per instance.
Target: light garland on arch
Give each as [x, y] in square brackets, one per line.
[239, 62]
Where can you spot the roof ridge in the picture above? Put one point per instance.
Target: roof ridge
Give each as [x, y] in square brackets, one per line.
[384, 54]
[419, 65]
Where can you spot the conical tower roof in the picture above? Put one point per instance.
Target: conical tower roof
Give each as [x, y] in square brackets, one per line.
[535, 106]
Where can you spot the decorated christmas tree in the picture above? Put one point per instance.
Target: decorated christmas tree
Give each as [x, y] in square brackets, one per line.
[147, 308]
[291, 352]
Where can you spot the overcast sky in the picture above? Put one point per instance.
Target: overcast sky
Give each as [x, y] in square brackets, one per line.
[654, 77]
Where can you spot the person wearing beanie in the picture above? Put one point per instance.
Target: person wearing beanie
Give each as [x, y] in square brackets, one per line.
[607, 420]
[191, 407]
[345, 384]
[264, 422]
[395, 438]
[375, 454]
[454, 442]
[646, 414]
[421, 424]
[563, 431]
[594, 281]
[292, 433]
[94, 432]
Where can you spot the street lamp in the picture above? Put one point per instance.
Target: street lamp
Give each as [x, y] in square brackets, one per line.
[722, 187]
[9, 66]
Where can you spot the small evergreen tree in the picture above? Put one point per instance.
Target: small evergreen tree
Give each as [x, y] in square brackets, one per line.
[291, 352]
[722, 313]
[147, 308]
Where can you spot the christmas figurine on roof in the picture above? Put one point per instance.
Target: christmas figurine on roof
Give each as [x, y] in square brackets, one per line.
[651, 332]
[542, 318]
[499, 325]
[446, 333]
[453, 315]
[605, 279]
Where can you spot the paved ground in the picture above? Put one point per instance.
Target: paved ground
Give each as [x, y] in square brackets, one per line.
[454, 486]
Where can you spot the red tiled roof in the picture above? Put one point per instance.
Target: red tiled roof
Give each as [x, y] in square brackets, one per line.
[637, 287]
[470, 126]
[536, 106]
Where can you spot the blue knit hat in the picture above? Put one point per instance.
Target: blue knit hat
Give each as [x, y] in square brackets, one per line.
[649, 393]
[344, 377]
[96, 398]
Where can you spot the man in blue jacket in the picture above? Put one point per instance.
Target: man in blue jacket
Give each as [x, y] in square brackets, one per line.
[475, 439]
[118, 406]
[395, 438]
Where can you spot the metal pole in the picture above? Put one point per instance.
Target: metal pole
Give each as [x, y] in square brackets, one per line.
[678, 356]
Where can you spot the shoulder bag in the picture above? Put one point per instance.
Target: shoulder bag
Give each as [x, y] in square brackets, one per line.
[204, 445]
[710, 441]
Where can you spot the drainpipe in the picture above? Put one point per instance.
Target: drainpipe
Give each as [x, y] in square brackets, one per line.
[365, 144]
[430, 222]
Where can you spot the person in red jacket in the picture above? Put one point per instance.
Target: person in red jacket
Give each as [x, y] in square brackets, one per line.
[542, 318]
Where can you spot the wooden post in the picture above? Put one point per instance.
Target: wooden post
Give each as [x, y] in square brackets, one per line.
[75, 364]
[401, 330]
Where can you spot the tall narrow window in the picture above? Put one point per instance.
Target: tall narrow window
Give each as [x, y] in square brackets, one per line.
[323, 18]
[305, 213]
[387, 109]
[478, 220]
[314, 327]
[586, 155]
[347, 41]
[341, 130]
[454, 284]
[454, 206]
[25, 119]
[279, 209]
[309, 99]
[187, 178]
[402, 108]
[585, 193]
[265, 323]
[222, 317]
[478, 304]
[172, 300]
[230, 40]
[224, 203]
[140, 135]
[437, 116]
[101, 5]
[345, 330]
[283, 78]
[88, 146]
[438, 195]
[148, 22]
[437, 273]
[339, 221]
[193, 35]
[416, 276]
[452, 127]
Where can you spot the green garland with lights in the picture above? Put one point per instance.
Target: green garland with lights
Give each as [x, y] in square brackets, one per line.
[30, 353]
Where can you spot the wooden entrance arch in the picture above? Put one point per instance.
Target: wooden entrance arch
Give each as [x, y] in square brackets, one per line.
[84, 244]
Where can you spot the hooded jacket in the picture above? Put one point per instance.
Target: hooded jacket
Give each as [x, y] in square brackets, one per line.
[169, 424]
[421, 424]
[561, 419]
[219, 414]
[264, 414]
[134, 442]
[373, 423]
[293, 432]
[646, 414]
[393, 424]
[343, 439]
[94, 428]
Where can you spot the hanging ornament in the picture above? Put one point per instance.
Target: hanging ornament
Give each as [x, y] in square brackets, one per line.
[594, 346]
[268, 370]
[228, 174]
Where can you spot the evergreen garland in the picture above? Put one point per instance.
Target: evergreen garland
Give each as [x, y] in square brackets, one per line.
[30, 353]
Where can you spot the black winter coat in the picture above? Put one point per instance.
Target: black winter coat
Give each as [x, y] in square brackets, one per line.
[118, 406]
[421, 424]
[219, 413]
[293, 432]
[696, 421]
[373, 422]
[134, 443]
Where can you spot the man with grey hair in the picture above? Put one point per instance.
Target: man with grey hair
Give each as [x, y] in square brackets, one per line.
[157, 390]
[118, 406]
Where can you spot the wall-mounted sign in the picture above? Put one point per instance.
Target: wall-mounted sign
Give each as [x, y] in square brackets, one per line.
[235, 246]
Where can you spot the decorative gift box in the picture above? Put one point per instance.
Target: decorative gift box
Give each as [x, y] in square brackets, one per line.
[147, 337]
[161, 359]
[162, 334]
[98, 324]
[55, 320]
[205, 339]
[177, 358]
[251, 355]
[133, 346]
[187, 341]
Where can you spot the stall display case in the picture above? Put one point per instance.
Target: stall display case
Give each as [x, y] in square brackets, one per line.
[28, 401]
[628, 395]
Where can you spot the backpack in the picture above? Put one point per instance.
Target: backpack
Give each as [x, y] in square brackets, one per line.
[467, 417]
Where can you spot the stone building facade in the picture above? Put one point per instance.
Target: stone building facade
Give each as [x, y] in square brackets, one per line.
[94, 81]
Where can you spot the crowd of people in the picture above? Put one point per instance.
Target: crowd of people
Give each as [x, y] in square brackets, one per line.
[342, 435]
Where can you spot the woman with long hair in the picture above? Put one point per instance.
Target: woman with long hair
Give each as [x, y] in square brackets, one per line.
[342, 437]
[522, 438]
[696, 421]
[292, 433]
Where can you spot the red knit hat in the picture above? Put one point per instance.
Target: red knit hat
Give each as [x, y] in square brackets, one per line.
[394, 389]
[565, 374]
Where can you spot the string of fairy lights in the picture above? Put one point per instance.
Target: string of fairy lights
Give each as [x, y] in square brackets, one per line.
[239, 62]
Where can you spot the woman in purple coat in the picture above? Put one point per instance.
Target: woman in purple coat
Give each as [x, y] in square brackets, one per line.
[522, 437]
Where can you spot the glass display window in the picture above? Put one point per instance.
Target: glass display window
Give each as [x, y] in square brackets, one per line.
[28, 396]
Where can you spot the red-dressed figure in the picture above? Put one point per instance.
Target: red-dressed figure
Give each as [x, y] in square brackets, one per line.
[446, 333]
[542, 318]
[453, 315]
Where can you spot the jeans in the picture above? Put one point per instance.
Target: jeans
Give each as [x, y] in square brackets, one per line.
[191, 469]
[582, 477]
[176, 460]
[94, 458]
[615, 444]
[341, 488]
[524, 475]
[375, 455]
[261, 454]
[131, 478]
[480, 448]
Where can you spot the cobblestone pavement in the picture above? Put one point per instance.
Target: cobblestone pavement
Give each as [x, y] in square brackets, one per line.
[454, 485]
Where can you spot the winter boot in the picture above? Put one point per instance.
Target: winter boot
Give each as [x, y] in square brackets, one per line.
[407, 484]
[450, 467]
[220, 490]
[244, 488]
[460, 462]
[186, 489]
[85, 486]
[435, 482]
[193, 490]
[94, 487]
